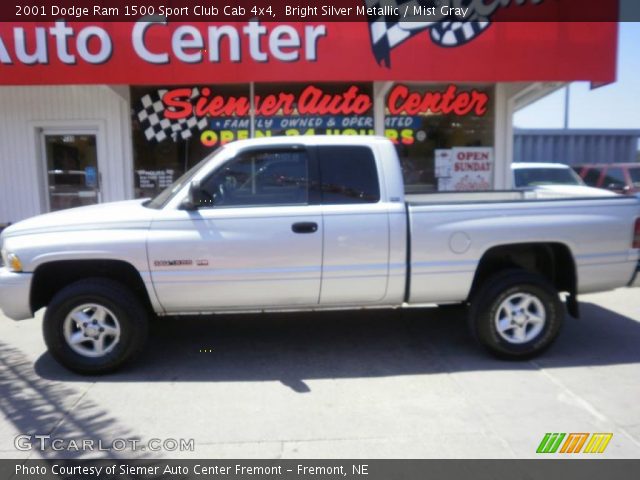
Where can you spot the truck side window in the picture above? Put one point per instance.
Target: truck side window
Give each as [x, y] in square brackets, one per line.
[261, 179]
[348, 175]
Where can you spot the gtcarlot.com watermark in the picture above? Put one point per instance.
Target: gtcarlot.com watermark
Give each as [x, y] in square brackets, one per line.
[47, 442]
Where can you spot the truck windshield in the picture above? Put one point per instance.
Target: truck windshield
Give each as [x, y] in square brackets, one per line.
[168, 193]
[529, 177]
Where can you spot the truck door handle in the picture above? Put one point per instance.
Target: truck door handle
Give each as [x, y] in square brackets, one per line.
[304, 227]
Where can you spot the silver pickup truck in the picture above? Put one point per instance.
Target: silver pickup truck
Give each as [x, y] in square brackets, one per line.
[311, 223]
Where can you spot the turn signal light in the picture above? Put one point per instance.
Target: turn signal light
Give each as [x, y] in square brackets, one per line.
[636, 234]
[14, 263]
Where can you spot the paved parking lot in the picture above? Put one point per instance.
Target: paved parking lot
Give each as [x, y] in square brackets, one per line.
[339, 385]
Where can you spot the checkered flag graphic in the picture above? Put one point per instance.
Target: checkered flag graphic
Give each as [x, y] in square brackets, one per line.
[157, 127]
[389, 32]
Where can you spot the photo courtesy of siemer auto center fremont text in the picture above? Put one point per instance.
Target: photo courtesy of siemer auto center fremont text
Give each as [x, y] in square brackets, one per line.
[304, 240]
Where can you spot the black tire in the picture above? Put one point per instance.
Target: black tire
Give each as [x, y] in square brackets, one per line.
[131, 316]
[484, 314]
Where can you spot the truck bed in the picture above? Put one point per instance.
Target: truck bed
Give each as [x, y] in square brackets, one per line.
[450, 232]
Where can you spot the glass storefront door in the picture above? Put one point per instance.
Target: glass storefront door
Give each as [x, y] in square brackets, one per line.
[71, 163]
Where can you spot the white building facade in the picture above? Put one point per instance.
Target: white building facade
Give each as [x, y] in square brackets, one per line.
[125, 127]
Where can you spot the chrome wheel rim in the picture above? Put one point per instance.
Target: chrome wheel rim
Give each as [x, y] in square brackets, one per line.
[520, 318]
[91, 330]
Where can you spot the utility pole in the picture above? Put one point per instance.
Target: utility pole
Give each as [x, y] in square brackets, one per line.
[566, 106]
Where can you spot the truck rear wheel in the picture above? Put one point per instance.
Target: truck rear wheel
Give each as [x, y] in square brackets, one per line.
[94, 326]
[516, 314]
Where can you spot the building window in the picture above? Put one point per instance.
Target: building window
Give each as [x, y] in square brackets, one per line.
[453, 122]
[443, 133]
[175, 127]
[314, 109]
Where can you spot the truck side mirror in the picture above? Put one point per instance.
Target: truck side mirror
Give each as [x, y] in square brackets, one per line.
[196, 197]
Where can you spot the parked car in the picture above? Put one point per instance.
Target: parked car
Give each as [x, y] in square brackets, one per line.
[552, 180]
[341, 233]
[617, 177]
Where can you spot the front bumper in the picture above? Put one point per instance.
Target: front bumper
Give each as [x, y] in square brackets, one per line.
[14, 294]
[635, 280]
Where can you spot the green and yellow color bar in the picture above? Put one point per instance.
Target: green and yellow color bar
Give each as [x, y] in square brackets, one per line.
[573, 442]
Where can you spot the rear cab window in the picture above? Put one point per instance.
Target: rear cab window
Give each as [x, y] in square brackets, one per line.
[348, 174]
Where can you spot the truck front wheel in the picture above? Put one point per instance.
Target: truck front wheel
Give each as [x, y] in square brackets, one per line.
[516, 314]
[94, 326]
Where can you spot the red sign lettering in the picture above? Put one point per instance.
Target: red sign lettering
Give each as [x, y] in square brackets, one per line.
[312, 101]
[315, 101]
[478, 156]
[403, 101]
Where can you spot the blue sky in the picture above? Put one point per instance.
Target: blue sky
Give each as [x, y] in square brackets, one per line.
[613, 106]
